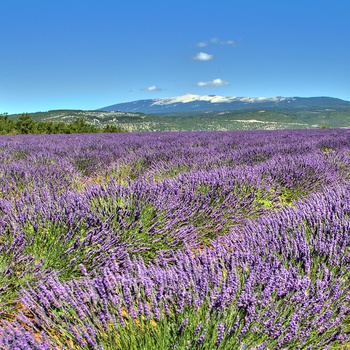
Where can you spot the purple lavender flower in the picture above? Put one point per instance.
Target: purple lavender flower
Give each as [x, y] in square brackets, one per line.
[221, 333]
[183, 324]
[201, 339]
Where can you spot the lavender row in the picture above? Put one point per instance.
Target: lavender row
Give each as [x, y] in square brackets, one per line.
[158, 194]
[59, 231]
[58, 162]
[281, 282]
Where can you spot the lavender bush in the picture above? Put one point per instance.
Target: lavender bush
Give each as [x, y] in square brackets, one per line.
[204, 240]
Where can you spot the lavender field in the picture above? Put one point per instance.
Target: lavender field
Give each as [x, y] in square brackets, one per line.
[193, 240]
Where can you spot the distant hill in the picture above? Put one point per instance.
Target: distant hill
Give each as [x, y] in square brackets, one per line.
[193, 112]
[196, 103]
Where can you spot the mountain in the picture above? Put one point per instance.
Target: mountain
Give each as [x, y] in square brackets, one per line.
[193, 112]
[196, 103]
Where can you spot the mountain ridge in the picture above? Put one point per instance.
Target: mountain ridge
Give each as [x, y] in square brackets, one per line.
[200, 103]
[211, 112]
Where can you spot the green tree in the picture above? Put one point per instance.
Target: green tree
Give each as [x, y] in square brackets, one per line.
[81, 126]
[25, 124]
[112, 128]
[7, 125]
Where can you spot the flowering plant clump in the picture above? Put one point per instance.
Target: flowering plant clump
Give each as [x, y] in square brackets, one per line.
[198, 240]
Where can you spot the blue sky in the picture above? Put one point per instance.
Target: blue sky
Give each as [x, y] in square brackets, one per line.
[87, 54]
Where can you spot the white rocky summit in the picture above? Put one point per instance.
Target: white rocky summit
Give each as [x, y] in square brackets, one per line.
[214, 99]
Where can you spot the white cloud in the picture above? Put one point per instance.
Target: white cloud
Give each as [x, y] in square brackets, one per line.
[215, 41]
[202, 44]
[228, 43]
[215, 82]
[152, 88]
[202, 56]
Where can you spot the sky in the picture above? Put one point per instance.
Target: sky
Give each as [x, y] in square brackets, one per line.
[88, 54]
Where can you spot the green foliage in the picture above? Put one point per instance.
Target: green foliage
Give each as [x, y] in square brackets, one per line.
[25, 124]
[289, 195]
[263, 199]
[112, 128]
[139, 224]
[49, 247]
[327, 150]
[7, 125]
[274, 118]
[13, 275]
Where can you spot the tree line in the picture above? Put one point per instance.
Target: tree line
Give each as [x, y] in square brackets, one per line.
[26, 125]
